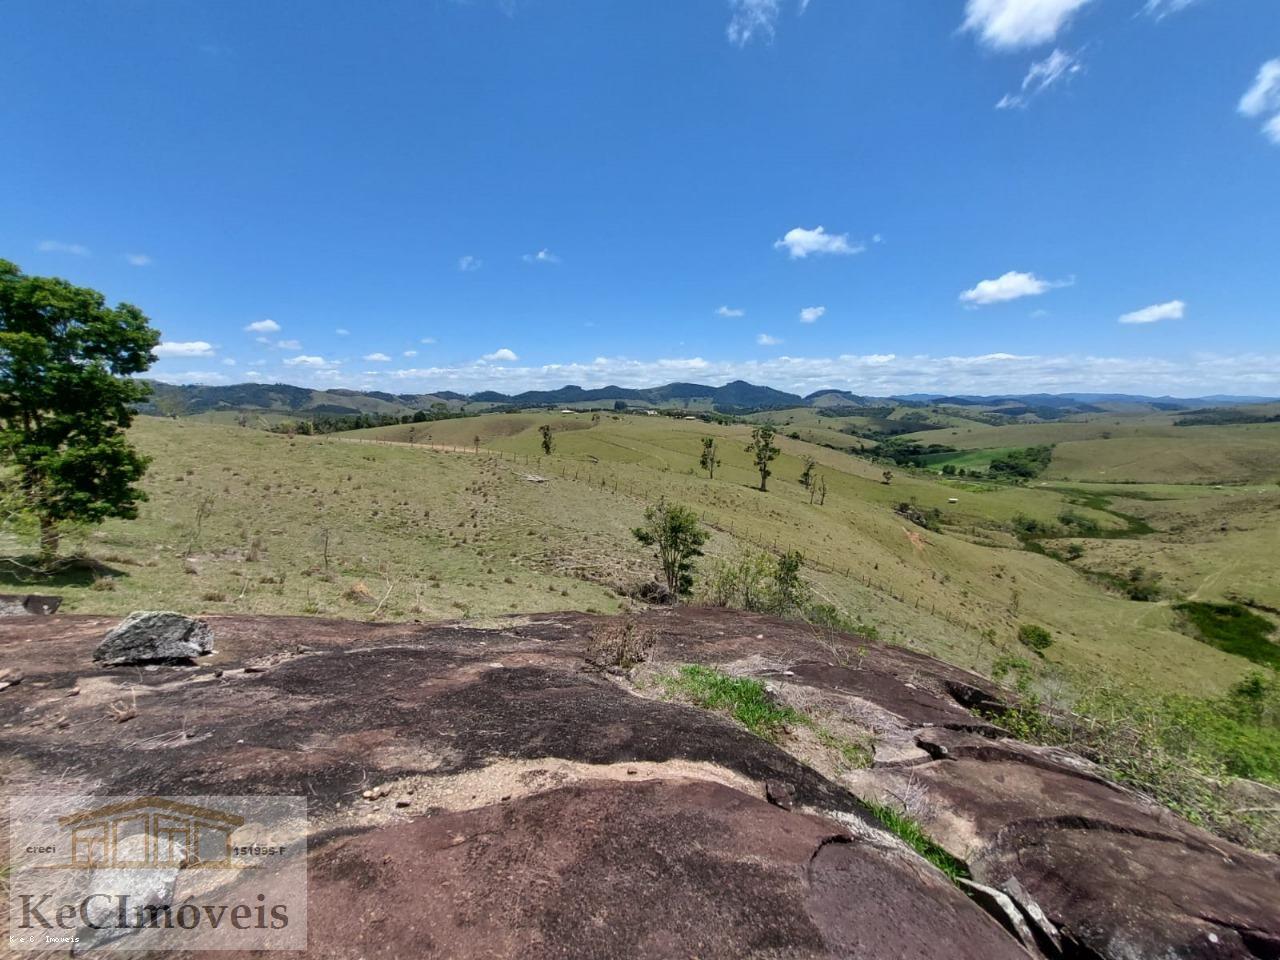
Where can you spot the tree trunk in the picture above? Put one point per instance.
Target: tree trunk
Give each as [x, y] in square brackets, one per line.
[49, 538]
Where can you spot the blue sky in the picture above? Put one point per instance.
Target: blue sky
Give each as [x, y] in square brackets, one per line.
[953, 195]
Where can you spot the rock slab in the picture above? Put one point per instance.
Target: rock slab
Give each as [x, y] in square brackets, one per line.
[553, 813]
[155, 636]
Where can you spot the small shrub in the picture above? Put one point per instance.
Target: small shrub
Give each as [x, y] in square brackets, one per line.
[1027, 527]
[788, 592]
[1234, 629]
[624, 643]
[677, 536]
[1179, 750]
[1079, 525]
[759, 582]
[830, 619]
[358, 593]
[1034, 637]
[929, 519]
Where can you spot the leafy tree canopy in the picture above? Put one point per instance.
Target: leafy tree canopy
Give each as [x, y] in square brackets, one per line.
[678, 537]
[67, 392]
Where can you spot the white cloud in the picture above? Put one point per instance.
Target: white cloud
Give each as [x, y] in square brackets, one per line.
[57, 246]
[288, 345]
[376, 358]
[751, 19]
[542, 256]
[228, 362]
[767, 341]
[303, 360]
[1263, 97]
[138, 259]
[812, 314]
[410, 353]
[1162, 8]
[188, 348]
[1009, 24]
[1042, 75]
[428, 341]
[263, 326]
[343, 332]
[1010, 286]
[800, 243]
[727, 311]
[469, 263]
[502, 354]
[1173, 310]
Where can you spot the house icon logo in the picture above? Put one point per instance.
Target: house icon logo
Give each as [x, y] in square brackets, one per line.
[150, 833]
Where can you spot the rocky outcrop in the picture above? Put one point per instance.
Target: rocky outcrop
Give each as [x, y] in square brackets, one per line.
[154, 636]
[484, 792]
[28, 604]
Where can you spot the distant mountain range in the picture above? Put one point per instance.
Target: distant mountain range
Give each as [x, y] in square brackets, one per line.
[735, 397]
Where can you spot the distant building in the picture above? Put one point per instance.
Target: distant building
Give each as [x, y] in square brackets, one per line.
[651, 413]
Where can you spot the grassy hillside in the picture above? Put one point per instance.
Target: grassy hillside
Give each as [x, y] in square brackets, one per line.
[239, 520]
[1144, 448]
[444, 532]
[1235, 454]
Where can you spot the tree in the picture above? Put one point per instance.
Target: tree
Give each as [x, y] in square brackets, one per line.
[678, 536]
[67, 394]
[476, 440]
[806, 475]
[709, 461]
[818, 489]
[790, 592]
[548, 441]
[619, 405]
[762, 451]
[887, 477]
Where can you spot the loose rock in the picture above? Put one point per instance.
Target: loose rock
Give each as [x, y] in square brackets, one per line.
[31, 604]
[780, 794]
[151, 636]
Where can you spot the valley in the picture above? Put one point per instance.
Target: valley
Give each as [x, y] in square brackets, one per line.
[449, 519]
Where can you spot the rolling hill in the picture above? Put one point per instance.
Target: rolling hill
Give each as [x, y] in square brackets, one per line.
[737, 397]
